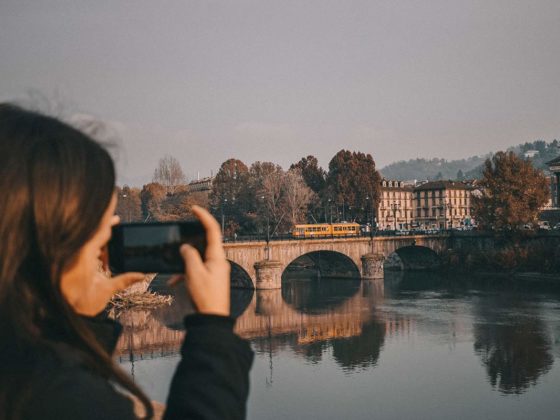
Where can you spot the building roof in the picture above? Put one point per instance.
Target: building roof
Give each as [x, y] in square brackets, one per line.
[396, 185]
[555, 161]
[201, 181]
[443, 185]
[405, 188]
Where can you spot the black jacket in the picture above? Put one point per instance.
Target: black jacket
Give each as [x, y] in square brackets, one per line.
[211, 381]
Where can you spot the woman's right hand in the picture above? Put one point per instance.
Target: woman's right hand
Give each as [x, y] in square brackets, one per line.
[207, 280]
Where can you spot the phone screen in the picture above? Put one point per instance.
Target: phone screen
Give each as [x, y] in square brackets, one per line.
[153, 247]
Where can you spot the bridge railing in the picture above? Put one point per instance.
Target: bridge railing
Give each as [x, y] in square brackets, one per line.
[377, 234]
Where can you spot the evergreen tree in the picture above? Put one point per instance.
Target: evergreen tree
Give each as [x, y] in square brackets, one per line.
[313, 175]
[129, 206]
[230, 198]
[354, 182]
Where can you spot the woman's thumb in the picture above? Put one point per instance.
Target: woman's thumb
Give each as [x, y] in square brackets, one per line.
[192, 257]
[125, 280]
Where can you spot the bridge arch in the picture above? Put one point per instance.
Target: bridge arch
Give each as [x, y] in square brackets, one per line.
[321, 264]
[413, 257]
[240, 277]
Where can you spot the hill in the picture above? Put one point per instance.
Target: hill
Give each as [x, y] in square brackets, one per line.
[538, 151]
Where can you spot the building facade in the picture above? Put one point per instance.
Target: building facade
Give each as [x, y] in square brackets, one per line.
[443, 205]
[428, 205]
[203, 184]
[396, 206]
[554, 167]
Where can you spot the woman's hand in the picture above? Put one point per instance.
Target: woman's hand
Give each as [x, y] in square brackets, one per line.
[208, 281]
[99, 292]
[84, 284]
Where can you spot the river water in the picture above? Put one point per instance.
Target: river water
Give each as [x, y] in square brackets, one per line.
[415, 346]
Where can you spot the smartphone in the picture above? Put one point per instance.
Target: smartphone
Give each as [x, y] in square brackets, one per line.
[153, 247]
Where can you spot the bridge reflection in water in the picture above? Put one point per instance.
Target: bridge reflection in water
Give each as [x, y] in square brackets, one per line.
[302, 313]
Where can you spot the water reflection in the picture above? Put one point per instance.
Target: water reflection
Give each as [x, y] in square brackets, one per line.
[513, 343]
[340, 330]
[307, 316]
[159, 332]
[362, 351]
[317, 296]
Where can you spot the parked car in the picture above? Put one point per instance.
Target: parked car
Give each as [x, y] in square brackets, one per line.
[556, 226]
[544, 225]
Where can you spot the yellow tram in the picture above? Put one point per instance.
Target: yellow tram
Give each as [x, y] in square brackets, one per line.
[321, 230]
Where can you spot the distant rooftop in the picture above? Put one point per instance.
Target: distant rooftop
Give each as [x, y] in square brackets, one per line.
[555, 161]
[444, 185]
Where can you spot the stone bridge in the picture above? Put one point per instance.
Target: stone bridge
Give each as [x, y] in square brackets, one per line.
[262, 266]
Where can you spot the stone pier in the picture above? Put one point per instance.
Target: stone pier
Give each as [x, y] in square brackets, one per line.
[372, 266]
[269, 274]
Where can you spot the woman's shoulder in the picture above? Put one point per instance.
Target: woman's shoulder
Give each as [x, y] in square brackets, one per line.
[63, 388]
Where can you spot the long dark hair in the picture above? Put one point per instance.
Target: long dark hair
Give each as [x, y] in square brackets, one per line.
[56, 184]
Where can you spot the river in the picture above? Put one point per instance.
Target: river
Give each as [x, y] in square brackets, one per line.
[415, 346]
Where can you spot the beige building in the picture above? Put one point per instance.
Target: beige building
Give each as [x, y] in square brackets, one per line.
[443, 205]
[554, 167]
[396, 206]
[204, 184]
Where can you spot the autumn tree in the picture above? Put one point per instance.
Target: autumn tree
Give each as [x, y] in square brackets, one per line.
[266, 182]
[315, 178]
[152, 197]
[129, 206]
[511, 194]
[230, 197]
[313, 175]
[296, 197]
[352, 181]
[176, 206]
[169, 174]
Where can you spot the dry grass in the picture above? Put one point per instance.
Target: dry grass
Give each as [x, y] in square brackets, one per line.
[146, 299]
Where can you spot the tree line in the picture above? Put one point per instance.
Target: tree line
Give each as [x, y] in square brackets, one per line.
[263, 197]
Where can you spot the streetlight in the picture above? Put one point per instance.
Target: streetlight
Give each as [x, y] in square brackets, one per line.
[267, 230]
[373, 221]
[267, 223]
[224, 202]
[450, 206]
[126, 204]
[395, 207]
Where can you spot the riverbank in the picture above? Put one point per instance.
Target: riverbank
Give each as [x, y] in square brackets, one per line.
[523, 261]
[527, 277]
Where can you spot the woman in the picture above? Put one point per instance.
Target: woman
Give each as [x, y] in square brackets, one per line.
[56, 216]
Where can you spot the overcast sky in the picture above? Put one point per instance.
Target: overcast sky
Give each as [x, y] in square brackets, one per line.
[262, 80]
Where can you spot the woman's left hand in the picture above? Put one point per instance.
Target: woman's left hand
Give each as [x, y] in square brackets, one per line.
[99, 292]
[85, 284]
